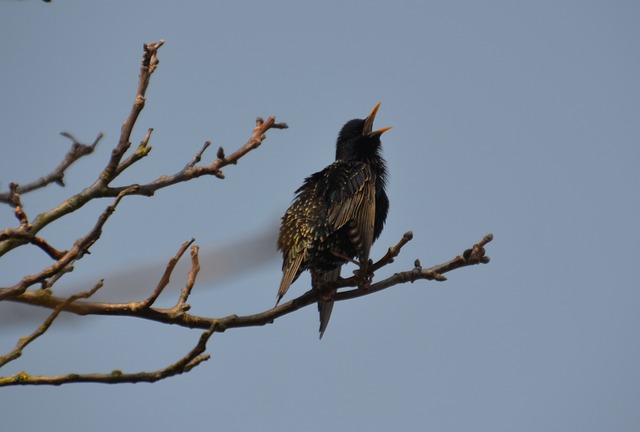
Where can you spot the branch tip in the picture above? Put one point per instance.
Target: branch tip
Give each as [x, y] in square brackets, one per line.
[268, 124]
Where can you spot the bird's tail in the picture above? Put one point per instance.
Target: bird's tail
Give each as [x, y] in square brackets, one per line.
[325, 306]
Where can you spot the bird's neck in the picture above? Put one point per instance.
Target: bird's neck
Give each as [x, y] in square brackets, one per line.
[374, 160]
[379, 166]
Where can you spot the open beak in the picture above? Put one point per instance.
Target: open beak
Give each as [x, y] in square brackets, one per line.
[368, 123]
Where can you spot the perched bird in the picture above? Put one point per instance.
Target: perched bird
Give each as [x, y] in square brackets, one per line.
[337, 213]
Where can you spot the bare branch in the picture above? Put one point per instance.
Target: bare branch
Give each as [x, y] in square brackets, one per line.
[473, 256]
[149, 64]
[198, 156]
[77, 151]
[23, 231]
[191, 280]
[191, 171]
[192, 359]
[392, 252]
[23, 342]
[164, 281]
[80, 247]
[14, 200]
[19, 234]
[101, 189]
[143, 150]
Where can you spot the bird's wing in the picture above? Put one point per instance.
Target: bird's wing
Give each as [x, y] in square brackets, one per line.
[289, 273]
[353, 204]
[298, 231]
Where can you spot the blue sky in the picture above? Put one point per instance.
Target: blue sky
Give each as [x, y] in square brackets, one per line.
[520, 119]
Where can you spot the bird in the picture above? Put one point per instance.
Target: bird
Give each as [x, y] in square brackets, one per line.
[337, 213]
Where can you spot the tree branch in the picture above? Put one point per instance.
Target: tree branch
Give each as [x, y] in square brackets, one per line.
[149, 64]
[164, 281]
[474, 255]
[80, 247]
[191, 171]
[23, 342]
[192, 359]
[77, 151]
[115, 166]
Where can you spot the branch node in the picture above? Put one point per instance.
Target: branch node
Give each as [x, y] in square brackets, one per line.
[14, 200]
[198, 156]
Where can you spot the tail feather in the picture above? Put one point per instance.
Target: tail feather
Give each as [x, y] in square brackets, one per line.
[325, 306]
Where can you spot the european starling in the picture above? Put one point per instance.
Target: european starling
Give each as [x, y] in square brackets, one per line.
[337, 213]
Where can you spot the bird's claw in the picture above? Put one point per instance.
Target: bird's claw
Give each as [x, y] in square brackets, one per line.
[364, 276]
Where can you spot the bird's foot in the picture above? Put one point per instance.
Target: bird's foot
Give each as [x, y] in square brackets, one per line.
[325, 297]
[364, 275]
[344, 257]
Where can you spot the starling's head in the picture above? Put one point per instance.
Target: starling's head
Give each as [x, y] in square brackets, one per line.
[357, 139]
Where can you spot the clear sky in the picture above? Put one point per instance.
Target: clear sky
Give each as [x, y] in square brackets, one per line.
[516, 118]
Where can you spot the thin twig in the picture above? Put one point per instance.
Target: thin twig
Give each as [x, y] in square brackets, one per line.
[19, 234]
[182, 305]
[80, 247]
[77, 151]
[198, 156]
[149, 64]
[192, 171]
[392, 252]
[23, 342]
[23, 231]
[192, 359]
[143, 150]
[14, 200]
[164, 280]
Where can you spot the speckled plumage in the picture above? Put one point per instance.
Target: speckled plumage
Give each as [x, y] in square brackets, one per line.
[338, 212]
